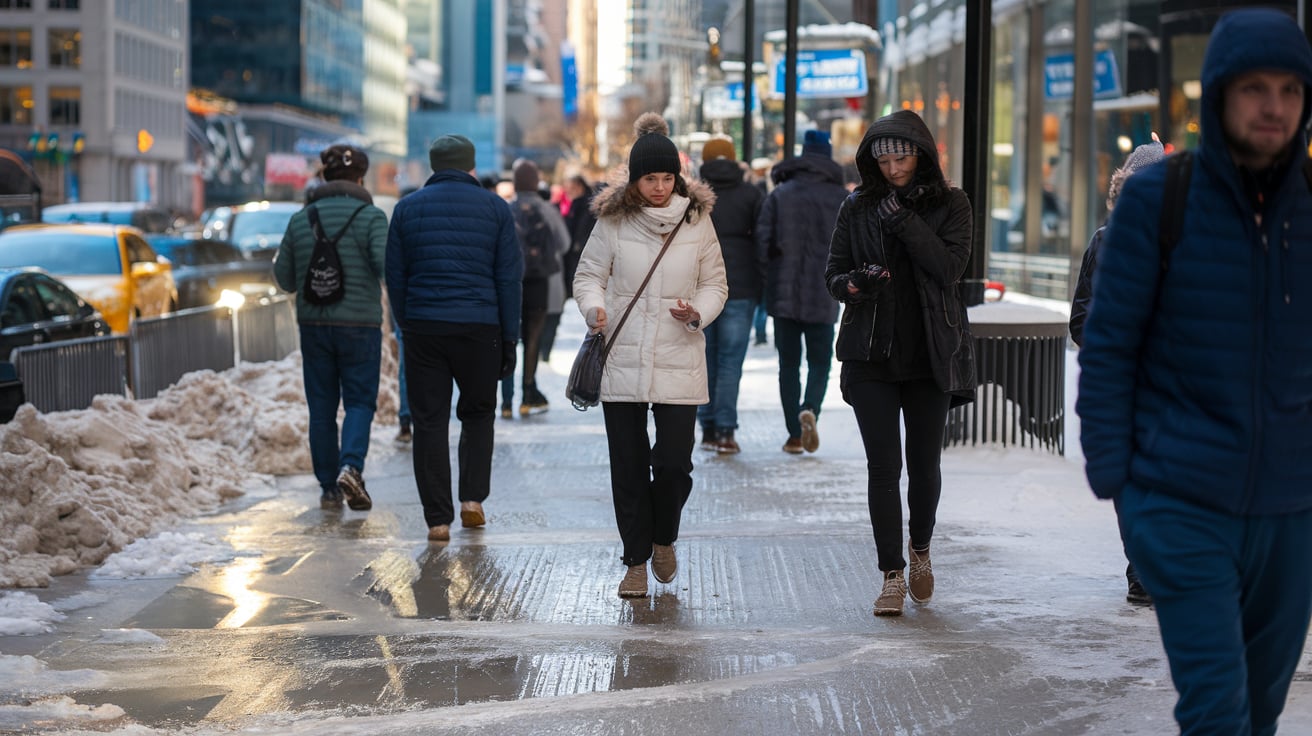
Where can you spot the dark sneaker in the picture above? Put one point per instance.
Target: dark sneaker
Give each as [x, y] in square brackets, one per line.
[351, 484]
[507, 411]
[709, 442]
[793, 446]
[810, 436]
[663, 563]
[534, 402]
[404, 436]
[331, 500]
[893, 596]
[920, 576]
[725, 444]
[1137, 595]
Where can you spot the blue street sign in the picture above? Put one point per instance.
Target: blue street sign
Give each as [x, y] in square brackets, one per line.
[1059, 76]
[824, 73]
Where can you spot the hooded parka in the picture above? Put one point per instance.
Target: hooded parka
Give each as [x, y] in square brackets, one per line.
[916, 323]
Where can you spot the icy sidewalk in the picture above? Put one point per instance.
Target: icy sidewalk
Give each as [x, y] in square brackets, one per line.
[297, 621]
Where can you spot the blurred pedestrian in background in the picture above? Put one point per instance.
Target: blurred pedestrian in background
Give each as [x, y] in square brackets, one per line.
[737, 205]
[792, 238]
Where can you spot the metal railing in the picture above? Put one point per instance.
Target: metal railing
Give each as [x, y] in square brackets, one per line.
[1021, 398]
[155, 353]
[67, 375]
[1044, 276]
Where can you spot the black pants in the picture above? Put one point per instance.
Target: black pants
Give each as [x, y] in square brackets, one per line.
[532, 319]
[924, 410]
[471, 356]
[649, 483]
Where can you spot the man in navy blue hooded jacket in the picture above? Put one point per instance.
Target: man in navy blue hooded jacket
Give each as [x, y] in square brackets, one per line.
[1195, 397]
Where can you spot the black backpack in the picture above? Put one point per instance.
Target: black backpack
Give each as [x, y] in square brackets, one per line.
[536, 240]
[325, 281]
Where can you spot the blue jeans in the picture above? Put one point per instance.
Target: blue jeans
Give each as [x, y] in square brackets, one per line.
[789, 335]
[403, 409]
[726, 348]
[340, 365]
[758, 322]
[1233, 599]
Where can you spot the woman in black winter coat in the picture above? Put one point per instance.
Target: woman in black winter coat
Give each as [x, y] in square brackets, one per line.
[899, 249]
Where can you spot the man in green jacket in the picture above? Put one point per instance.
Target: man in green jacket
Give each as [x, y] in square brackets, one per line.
[340, 319]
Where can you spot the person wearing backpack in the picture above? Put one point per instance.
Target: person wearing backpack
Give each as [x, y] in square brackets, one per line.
[543, 239]
[1144, 155]
[1195, 386]
[331, 256]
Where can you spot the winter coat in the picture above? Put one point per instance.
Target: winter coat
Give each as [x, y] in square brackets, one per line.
[792, 235]
[551, 215]
[932, 236]
[453, 256]
[361, 248]
[655, 358]
[1084, 287]
[737, 205]
[1197, 383]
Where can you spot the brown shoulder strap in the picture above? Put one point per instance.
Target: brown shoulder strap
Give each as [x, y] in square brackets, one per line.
[664, 247]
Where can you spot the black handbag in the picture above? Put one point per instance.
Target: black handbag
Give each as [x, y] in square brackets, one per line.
[583, 389]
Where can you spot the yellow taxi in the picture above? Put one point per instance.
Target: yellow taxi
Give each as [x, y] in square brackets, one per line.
[112, 267]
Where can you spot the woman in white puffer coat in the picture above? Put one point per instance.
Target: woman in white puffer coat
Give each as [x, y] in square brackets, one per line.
[658, 360]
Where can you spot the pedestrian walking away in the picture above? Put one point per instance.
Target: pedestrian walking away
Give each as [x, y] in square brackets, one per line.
[737, 205]
[454, 272]
[339, 313]
[792, 238]
[1148, 153]
[899, 250]
[544, 239]
[657, 363]
[1195, 388]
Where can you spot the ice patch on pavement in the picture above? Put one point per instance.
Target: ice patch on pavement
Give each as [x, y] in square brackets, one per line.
[168, 554]
[23, 614]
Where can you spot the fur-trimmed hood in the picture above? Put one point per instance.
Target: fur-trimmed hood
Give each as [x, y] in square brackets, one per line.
[615, 200]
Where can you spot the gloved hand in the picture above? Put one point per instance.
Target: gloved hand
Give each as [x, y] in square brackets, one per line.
[869, 277]
[889, 206]
[507, 358]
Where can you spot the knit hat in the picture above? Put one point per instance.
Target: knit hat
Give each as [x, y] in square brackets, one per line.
[526, 176]
[894, 146]
[816, 143]
[343, 162]
[719, 148]
[451, 152]
[1145, 155]
[652, 152]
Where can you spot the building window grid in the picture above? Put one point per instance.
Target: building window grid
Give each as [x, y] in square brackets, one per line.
[15, 4]
[16, 47]
[66, 106]
[65, 48]
[63, 5]
[16, 105]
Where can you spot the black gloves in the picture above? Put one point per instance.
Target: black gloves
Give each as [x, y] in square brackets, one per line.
[869, 277]
[507, 358]
[889, 206]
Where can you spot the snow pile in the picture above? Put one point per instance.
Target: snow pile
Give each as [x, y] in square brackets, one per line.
[167, 554]
[77, 486]
[23, 614]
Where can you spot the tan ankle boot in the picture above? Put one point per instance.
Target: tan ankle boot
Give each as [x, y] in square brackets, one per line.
[634, 584]
[920, 576]
[663, 563]
[892, 597]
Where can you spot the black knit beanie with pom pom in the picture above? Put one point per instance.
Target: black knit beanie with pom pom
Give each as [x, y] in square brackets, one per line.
[653, 152]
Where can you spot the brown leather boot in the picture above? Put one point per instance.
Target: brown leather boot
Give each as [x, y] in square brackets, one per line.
[634, 584]
[663, 563]
[893, 596]
[920, 576]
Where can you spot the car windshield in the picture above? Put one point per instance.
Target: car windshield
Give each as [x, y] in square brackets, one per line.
[248, 225]
[61, 253]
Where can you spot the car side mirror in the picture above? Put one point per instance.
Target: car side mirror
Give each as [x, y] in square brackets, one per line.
[145, 268]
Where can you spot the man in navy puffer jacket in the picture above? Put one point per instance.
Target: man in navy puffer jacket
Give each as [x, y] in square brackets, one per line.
[1195, 397]
[454, 268]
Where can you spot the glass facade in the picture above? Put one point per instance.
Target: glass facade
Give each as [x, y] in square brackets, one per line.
[1146, 57]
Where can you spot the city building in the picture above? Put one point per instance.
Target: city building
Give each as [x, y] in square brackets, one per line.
[94, 94]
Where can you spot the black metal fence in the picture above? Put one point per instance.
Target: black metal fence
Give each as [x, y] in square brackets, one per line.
[1021, 399]
[155, 353]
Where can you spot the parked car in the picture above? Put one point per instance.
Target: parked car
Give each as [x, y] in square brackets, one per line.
[112, 267]
[256, 228]
[36, 308]
[142, 215]
[203, 269]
